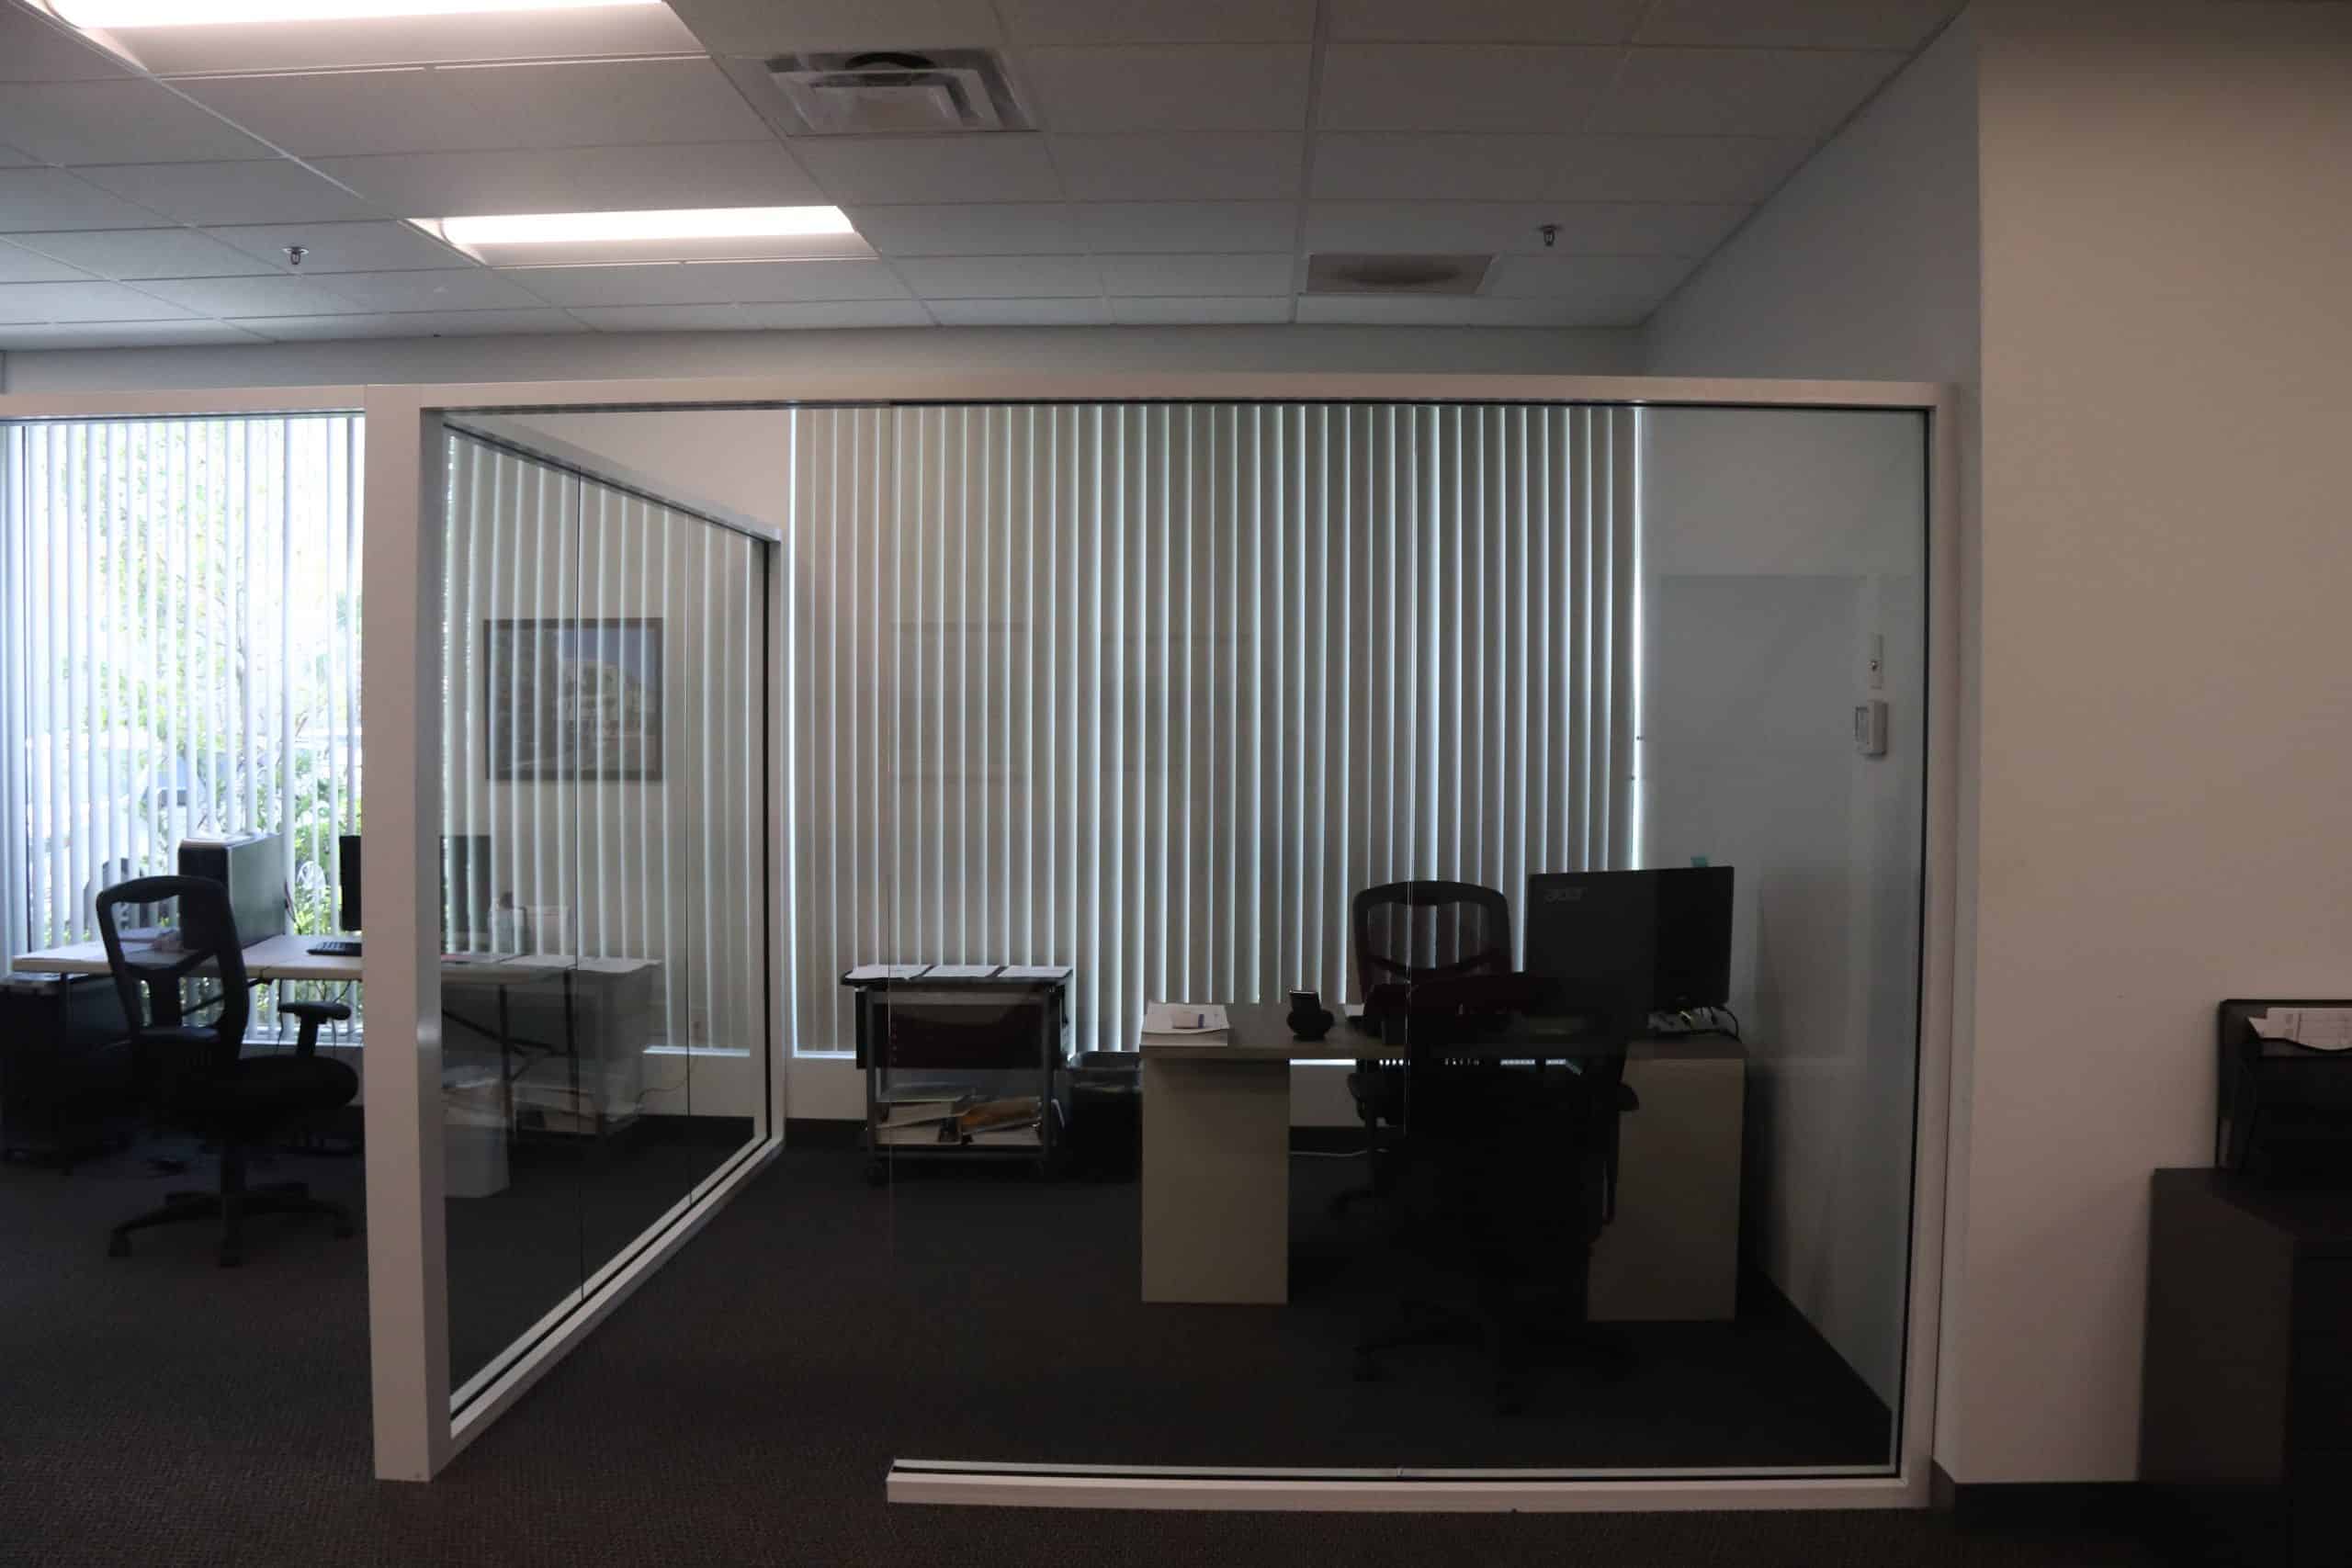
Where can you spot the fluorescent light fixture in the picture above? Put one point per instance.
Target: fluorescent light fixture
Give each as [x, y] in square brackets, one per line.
[702, 233]
[220, 13]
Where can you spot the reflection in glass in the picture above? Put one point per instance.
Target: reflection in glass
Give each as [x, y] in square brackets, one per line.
[603, 888]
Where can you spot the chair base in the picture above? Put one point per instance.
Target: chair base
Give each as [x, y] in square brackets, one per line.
[232, 1209]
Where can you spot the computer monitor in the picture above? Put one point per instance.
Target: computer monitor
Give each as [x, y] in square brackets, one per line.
[347, 873]
[1624, 944]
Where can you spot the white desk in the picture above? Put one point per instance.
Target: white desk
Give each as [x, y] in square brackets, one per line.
[1217, 1172]
[271, 958]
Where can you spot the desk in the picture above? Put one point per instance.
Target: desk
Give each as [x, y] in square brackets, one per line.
[617, 991]
[1216, 1168]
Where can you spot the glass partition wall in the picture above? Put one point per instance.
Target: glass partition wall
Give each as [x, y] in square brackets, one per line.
[1321, 940]
[1571, 756]
[603, 900]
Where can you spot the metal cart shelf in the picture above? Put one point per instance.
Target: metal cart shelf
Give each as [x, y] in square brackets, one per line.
[921, 1032]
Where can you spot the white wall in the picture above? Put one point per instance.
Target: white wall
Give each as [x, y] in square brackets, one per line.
[1777, 543]
[2168, 719]
[589, 356]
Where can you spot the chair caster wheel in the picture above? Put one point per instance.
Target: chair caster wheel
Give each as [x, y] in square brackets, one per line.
[118, 1247]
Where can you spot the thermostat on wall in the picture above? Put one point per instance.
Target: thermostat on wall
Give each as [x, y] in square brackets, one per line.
[1870, 728]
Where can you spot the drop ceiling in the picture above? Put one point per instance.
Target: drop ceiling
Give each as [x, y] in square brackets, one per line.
[1189, 155]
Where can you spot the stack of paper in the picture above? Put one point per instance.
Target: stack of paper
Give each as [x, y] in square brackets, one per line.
[1170, 1023]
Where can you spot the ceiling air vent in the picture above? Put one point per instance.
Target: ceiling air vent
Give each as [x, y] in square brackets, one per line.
[1339, 273]
[899, 91]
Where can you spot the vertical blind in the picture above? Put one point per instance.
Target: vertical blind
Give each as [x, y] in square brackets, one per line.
[179, 655]
[1152, 689]
[648, 839]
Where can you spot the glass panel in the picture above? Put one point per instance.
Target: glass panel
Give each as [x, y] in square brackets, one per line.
[618, 829]
[1528, 727]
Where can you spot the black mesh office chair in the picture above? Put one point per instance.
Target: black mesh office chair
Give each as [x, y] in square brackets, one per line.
[1502, 1181]
[172, 944]
[1407, 934]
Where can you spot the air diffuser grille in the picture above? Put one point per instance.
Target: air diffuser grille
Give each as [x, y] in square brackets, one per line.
[1359, 273]
[928, 92]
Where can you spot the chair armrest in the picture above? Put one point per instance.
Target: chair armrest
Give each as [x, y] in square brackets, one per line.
[310, 1016]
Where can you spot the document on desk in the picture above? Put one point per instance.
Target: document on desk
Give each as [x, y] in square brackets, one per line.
[885, 971]
[1034, 972]
[1185, 1022]
[2320, 1029]
[959, 971]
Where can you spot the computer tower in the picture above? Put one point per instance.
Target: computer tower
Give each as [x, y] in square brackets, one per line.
[253, 870]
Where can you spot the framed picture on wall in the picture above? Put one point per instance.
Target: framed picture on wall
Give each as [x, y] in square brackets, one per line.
[573, 699]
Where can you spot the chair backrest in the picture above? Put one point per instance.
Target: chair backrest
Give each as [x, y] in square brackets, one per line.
[1407, 932]
[163, 934]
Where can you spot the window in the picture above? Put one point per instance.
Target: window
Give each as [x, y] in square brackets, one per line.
[1150, 689]
[179, 655]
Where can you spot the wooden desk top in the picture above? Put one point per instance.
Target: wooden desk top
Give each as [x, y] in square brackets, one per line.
[290, 958]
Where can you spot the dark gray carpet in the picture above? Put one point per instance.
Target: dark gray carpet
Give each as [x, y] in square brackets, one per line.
[158, 1410]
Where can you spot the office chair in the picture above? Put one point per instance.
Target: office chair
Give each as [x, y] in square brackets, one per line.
[1500, 1183]
[1409, 933]
[165, 937]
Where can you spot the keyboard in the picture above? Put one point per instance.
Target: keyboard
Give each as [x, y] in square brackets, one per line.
[337, 947]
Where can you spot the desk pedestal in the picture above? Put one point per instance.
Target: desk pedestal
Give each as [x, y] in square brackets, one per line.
[1215, 1180]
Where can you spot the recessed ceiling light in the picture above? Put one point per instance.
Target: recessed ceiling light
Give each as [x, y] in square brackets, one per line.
[214, 13]
[705, 233]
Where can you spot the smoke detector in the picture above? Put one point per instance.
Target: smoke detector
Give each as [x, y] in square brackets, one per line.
[899, 92]
[1329, 272]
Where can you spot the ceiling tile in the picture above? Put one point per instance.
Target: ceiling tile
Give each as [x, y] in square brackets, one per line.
[1429, 312]
[1177, 87]
[1198, 312]
[1021, 312]
[116, 122]
[81, 302]
[1588, 277]
[1189, 225]
[457, 109]
[24, 266]
[456, 288]
[837, 313]
[1488, 21]
[1462, 87]
[414, 323]
[1001, 278]
[1004, 166]
[12, 159]
[1584, 228]
[342, 247]
[712, 283]
[275, 190]
[254, 297]
[143, 335]
[1224, 277]
[1796, 24]
[1740, 92]
[1158, 21]
[33, 50]
[144, 252]
[579, 179]
[755, 318]
[35, 199]
[1202, 166]
[1404, 165]
[1442, 226]
[967, 228]
[1744, 169]
[775, 26]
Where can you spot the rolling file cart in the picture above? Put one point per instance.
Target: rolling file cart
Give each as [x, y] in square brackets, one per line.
[927, 1035]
